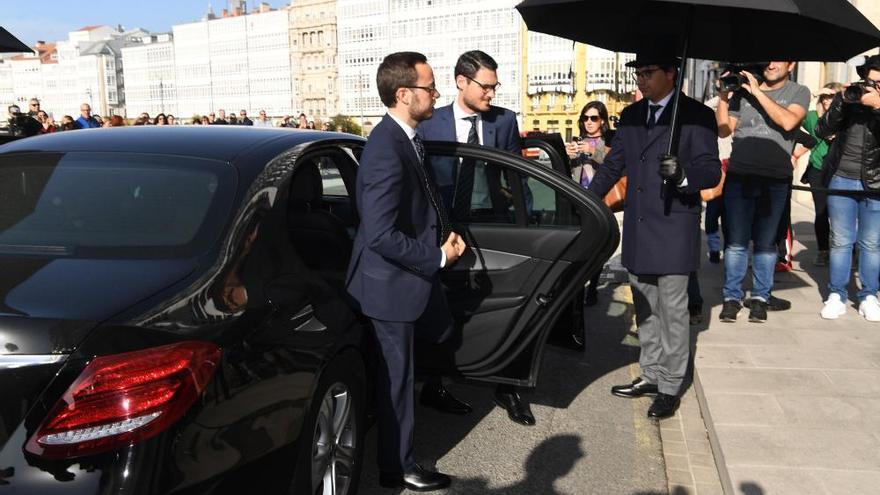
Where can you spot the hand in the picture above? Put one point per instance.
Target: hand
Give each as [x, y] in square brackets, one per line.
[586, 147]
[753, 87]
[871, 98]
[235, 298]
[571, 149]
[670, 169]
[453, 247]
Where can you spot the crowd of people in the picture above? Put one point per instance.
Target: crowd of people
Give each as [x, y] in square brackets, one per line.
[37, 121]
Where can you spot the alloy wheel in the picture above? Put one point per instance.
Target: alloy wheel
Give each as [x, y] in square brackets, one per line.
[334, 445]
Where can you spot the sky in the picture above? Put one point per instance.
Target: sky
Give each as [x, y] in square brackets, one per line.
[51, 20]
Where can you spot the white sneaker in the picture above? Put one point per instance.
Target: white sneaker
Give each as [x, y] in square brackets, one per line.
[870, 308]
[834, 307]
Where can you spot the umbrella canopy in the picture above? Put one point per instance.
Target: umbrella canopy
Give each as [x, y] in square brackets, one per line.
[729, 30]
[9, 43]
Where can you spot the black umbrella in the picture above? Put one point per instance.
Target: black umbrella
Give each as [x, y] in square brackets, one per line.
[729, 30]
[9, 43]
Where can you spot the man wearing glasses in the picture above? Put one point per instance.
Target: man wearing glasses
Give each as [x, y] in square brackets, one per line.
[661, 223]
[403, 241]
[34, 108]
[469, 186]
[262, 121]
[243, 118]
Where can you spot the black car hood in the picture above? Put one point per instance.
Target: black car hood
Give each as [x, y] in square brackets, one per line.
[47, 306]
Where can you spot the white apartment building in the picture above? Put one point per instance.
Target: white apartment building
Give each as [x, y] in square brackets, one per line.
[234, 62]
[368, 30]
[607, 71]
[150, 76]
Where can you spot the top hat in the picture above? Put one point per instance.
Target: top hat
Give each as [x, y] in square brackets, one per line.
[871, 63]
[659, 50]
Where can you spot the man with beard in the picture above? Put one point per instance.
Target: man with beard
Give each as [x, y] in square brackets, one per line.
[403, 241]
[469, 186]
[764, 119]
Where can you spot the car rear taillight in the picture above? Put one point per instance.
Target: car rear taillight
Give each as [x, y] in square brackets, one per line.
[125, 398]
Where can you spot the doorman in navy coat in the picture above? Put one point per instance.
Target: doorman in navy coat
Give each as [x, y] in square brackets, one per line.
[403, 241]
[661, 224]
[472, 119]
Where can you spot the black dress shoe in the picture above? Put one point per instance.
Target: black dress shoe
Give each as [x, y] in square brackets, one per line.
[417, 479]
[637, 388]
[517, 410]
[695, 314]
[436, 396]
[663, 406]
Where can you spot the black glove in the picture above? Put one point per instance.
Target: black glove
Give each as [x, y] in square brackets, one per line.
[670, 170]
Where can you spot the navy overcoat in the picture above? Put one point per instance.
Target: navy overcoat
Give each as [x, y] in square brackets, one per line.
[661, 236]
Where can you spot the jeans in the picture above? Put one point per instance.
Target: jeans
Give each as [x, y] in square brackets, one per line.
[820, 204]
[714, 216]
[752, 209]
[853, 219]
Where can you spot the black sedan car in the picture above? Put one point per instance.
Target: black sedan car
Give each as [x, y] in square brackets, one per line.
[173, 317]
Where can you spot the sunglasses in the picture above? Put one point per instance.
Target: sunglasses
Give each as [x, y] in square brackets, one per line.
[591, 118]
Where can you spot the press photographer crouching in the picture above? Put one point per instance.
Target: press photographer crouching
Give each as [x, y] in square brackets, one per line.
[853, 164]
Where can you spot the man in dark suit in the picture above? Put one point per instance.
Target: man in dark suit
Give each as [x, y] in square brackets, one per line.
[661, 225]
[468, 185]
[404, 239]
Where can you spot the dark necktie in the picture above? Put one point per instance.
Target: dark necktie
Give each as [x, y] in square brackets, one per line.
[431, 191]
[652, 119]
[464, 188]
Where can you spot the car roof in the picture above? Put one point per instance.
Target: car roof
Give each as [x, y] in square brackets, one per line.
[218, 142]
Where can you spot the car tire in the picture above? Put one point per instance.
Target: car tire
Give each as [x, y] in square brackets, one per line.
[332, 440]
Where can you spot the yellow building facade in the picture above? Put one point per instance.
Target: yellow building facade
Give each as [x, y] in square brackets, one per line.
[555, 85]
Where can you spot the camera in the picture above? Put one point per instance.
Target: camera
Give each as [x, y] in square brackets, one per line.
[854, 92]
[734, 80]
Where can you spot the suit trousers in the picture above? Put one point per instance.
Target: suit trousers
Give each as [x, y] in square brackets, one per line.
[661, 304]
[395, 401]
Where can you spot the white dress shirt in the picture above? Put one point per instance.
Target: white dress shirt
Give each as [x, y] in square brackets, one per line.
[480, 195]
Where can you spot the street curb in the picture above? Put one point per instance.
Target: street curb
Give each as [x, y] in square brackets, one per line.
[714, 442]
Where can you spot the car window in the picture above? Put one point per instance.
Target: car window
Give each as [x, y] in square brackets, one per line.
[112, 204]
[496, 192]
[330, 177]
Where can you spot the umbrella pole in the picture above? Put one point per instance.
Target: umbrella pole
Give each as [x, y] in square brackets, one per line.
[672, 148]
[673, 123]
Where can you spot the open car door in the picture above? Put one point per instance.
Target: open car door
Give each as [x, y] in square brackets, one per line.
[534, 236]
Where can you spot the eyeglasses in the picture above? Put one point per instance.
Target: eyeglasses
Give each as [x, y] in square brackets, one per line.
[35, 104]
[591, 118]
[644, 73]
[485, 87]
[432, 90]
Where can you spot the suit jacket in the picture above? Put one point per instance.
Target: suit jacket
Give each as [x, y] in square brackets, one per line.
[499, 131]
[396, 256]
[661, 236]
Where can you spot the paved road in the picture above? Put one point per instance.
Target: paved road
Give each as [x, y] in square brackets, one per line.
[585, 442]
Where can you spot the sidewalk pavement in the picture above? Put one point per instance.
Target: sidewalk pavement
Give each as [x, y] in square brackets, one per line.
[792, 406]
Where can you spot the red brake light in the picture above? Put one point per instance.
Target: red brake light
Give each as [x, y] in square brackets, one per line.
[125, 398]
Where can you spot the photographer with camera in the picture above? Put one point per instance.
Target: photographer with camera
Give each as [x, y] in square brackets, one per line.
[853, 164]
[764, 117]
[21, 124]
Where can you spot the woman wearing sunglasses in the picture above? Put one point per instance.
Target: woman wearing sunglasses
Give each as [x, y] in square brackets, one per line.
[587, 153]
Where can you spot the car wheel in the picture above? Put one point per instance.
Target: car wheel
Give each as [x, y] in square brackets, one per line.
[332, 438]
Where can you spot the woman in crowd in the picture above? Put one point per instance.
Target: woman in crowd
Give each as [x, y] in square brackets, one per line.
[67, 123]
[587, 152]
[47, 122]
[813, 174]
[170, 119]
[116, 121]
[160, 119]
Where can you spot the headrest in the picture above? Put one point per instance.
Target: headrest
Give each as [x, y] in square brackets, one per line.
[306, 185]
